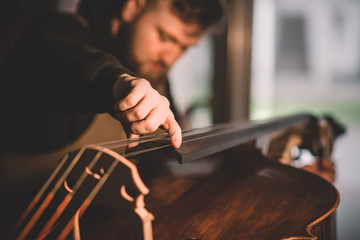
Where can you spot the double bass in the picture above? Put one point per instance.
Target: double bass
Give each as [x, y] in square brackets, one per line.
[227, 181]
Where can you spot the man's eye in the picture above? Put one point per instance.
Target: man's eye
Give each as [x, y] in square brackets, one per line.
[163, 37]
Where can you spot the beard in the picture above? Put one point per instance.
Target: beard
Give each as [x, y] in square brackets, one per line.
[123, 48]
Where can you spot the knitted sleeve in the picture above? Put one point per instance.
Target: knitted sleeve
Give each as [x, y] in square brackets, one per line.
[48, 72]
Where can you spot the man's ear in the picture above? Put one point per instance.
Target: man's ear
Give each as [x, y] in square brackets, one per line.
[131, 9]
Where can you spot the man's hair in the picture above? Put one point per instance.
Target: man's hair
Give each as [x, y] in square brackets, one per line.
[203, 12]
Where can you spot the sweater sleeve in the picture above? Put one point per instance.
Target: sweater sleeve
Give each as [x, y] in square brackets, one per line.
[48, 72]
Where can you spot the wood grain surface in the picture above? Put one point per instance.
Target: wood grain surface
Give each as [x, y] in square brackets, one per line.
[239, 195]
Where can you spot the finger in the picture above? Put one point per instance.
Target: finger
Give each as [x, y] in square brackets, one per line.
[127, 128]
[133, 136]
[150, 124]
[145, 106]
[125, 124]
[155, 118]
[139, 88]
[174, 130]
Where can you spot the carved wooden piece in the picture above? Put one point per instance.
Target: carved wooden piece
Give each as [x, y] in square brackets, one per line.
[58, 206]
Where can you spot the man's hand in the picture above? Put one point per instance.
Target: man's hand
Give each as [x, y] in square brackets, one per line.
[141, 109]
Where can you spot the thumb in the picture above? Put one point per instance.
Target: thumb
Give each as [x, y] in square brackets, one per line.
[132, 136]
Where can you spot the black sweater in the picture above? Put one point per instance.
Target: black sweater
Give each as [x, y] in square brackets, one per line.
[55, 78]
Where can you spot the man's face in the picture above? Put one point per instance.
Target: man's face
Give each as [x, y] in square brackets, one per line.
[156, 39]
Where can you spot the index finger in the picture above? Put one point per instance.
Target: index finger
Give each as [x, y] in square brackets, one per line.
[139, 89]
[174, 130]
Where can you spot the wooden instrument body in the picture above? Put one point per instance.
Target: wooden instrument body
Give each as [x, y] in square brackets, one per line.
[237, 195]
[233, 194]
[241, 195]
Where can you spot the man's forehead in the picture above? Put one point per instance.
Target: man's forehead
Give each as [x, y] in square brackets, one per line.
[169, 22]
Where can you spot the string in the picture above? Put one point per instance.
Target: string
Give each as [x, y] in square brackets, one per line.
[165, 140]
[165, 136]
[216, 130]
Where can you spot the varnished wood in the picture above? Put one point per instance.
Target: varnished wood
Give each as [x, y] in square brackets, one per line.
[237, 193]
[244, 196]
[233, 195]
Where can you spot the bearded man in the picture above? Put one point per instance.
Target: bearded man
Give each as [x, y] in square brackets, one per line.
[59, 70]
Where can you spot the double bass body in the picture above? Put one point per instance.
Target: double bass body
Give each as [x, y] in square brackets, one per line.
[231, 191]
[238, 193]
